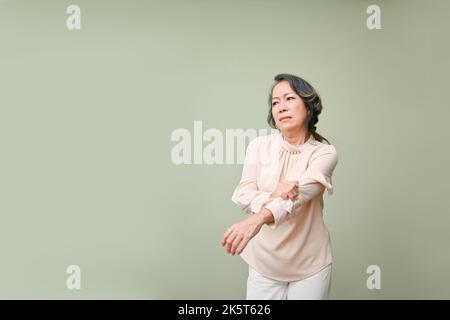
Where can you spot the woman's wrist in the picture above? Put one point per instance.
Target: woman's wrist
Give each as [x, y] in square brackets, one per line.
[266, 216]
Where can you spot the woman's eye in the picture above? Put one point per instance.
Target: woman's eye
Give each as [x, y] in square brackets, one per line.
[275, 102]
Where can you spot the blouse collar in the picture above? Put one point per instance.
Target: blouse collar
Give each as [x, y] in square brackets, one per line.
[296, 148]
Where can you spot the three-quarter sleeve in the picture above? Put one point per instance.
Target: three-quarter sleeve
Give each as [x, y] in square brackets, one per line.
[316, 178]
[246, 195]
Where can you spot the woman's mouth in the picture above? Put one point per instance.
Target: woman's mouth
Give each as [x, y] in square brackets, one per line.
[285, 118]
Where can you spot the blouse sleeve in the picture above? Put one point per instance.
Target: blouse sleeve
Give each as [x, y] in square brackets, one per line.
[246, 195]
[312, 182]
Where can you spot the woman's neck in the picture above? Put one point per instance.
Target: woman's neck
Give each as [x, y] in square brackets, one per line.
[296, 138]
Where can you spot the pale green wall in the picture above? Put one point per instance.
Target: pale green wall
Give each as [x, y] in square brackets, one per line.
[86, 118]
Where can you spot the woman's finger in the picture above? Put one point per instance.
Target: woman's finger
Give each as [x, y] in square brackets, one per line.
[225, 236]
[236, 243]
[292, 183]
[230, 240]
[291, 195]
[242, 245]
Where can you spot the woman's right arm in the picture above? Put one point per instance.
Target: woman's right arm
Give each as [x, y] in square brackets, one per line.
[246, 195]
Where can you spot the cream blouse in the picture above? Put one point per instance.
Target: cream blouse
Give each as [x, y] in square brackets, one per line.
[297, 244]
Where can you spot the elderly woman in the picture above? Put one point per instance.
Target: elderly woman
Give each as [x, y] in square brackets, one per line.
[284, 239]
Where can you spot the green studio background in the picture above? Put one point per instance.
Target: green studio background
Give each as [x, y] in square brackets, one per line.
[86, 118]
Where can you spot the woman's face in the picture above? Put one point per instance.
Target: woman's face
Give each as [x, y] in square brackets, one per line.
[288, 108]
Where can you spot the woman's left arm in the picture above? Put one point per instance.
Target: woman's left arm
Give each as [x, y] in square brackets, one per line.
[312, 182]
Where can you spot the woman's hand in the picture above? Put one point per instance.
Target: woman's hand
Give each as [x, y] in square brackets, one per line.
[286, 190]
[239, 234]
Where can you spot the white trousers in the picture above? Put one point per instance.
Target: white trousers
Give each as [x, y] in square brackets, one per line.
[315, 287]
